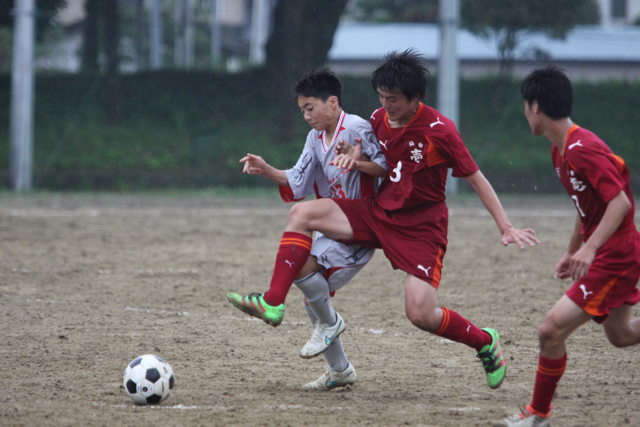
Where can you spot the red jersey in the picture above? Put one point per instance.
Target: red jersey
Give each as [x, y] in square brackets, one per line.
[418, 157]
[592, 175]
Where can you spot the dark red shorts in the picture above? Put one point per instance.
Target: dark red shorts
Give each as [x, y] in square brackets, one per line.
[612, 277]
[414, 239]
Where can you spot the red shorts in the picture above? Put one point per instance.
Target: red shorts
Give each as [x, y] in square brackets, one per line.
[414, 239]
[612, 277]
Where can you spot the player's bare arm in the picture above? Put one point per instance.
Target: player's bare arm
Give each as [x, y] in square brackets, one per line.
[575, 242]
[255, 165]
[617, 208]
[490, 200]
[344, 161]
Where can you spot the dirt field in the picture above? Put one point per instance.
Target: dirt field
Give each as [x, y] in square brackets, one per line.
[88, 282]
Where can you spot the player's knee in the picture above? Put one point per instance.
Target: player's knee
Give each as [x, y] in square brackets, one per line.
[422, 319]
[297, 215]
[548, 334]
[301, 217]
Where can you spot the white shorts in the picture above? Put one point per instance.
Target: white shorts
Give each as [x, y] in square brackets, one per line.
[341, 261]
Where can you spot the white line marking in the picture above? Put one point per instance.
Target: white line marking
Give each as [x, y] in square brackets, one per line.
[304, 408]
[226, 408]
[224, 317]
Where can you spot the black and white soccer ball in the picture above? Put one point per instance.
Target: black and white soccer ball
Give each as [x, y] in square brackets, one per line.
[148, 379]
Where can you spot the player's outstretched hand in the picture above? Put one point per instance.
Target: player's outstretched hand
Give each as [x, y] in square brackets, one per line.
[519, 237]
[343, 147]
[253, 165]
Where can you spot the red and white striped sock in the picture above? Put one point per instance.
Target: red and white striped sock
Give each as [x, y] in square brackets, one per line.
[456, 328]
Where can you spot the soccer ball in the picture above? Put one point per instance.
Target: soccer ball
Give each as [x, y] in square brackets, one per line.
[148, 379]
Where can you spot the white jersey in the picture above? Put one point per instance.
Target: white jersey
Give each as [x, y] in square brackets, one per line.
[313, 173]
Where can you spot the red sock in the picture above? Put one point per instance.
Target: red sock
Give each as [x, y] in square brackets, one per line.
[549, 373]
[292, 255]
[456, 328]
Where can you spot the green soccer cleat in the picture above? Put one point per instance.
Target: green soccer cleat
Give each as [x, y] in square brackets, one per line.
[492, 360]
[255, 305]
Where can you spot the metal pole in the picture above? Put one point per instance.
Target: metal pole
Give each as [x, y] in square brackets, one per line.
[139, 34]
[155, 30]
[448, 70]
[217, 10]
[21, 149]
[259, 31]
[188, 34]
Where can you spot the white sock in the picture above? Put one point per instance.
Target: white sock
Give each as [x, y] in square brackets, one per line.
[310, 314]
[335, 356]
[316, 289]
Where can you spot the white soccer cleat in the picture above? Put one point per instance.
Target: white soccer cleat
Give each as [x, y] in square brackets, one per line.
[321, 338]
[526, 418]
[332, 379]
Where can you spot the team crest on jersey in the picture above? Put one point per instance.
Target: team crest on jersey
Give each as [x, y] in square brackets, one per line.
[416, 153]
[575, 183]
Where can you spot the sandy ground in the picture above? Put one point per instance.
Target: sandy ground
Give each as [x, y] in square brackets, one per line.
[88, 282]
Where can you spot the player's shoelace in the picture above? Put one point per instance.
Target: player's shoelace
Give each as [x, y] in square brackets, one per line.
[253, 300]
[489, 359]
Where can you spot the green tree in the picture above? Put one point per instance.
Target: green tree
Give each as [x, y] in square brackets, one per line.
[102, 33]
[47, 9]
[91, 37]
[301, 38]
[508, 21]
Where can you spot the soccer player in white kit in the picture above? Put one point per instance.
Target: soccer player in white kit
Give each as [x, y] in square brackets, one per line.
[330, 264]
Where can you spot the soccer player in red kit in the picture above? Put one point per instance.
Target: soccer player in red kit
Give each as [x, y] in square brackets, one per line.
[603, 256]
[408, 216]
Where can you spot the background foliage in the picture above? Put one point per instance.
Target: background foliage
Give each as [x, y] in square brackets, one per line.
[189, 129]
[46, 10]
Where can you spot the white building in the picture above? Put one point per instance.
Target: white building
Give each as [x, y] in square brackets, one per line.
[588, 53]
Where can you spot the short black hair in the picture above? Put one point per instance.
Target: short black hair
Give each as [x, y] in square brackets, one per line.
[319, 84]
[404, 72]
[551, 88]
